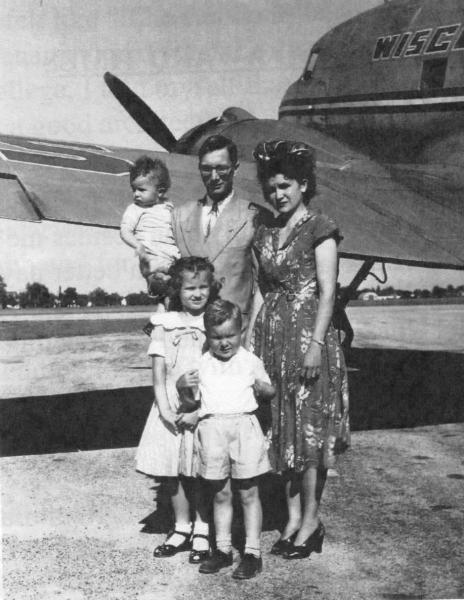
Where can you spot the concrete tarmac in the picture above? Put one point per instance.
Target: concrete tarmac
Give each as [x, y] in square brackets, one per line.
[82, 525]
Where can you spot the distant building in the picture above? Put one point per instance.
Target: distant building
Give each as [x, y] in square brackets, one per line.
[365, 296]
[389, 297]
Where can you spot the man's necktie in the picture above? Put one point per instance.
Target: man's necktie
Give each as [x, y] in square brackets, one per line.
[212, 218]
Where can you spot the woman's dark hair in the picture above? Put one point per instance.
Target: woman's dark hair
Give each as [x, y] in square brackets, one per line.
[191, 264]
[294, 160]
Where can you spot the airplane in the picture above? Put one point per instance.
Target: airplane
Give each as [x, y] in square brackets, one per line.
[379, 100]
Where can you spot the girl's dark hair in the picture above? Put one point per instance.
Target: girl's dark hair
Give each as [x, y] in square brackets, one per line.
[294, 160]
[191, 264]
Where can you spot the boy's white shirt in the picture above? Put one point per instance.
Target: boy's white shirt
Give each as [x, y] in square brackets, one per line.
[226, 386]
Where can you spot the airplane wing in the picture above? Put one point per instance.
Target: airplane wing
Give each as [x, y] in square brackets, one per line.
[87, 184]
[78, 183]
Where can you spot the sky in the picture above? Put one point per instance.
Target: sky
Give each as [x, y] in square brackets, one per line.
[188, 60]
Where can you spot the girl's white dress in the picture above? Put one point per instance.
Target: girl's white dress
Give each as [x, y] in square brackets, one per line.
[179, 337]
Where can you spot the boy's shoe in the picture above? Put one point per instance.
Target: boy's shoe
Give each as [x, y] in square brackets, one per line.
[249, 567]
[217, 561]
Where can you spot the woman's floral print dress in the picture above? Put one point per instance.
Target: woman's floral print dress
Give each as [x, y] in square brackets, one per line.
[309, 422]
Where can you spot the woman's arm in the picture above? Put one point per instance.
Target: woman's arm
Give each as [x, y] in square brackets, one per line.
[326, 273]
[161, 397]
[256, 302]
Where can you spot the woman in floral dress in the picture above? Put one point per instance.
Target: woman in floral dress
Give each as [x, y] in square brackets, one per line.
[297, 257]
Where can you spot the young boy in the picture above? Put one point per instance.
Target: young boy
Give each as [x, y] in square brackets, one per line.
[146, 224]
[229, 440]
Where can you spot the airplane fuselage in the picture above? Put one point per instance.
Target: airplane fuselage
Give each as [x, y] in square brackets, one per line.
[390, 78]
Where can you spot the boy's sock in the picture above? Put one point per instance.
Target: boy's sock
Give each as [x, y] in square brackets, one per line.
[253, 546]
[177, 540]
[200, 543]
[224, 544]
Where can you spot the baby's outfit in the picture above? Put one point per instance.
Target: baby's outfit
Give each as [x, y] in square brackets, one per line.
[152, 226]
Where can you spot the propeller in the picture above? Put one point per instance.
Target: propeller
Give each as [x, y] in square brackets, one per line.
[141, 112]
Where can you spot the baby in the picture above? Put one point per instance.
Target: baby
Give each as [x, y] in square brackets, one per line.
[146, 224]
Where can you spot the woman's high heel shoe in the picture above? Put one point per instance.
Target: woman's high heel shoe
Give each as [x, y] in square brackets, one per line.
[312, 544]
[282, 545]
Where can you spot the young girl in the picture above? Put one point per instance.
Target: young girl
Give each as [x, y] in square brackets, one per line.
[166, 445]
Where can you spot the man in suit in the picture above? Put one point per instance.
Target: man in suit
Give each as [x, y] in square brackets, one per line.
[221, 225]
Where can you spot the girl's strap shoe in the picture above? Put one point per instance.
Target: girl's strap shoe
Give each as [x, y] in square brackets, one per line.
[167, 549]
[198, 556]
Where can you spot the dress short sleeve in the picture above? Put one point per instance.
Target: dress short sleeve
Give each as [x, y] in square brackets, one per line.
[324, 228]
[157, 345]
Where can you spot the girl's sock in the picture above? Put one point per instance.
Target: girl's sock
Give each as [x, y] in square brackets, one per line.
[176, 539]
[253, 546]
[200, 544]
[224, 544]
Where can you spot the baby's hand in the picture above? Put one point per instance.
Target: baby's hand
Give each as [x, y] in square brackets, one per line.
[263, 390]
[142, 253]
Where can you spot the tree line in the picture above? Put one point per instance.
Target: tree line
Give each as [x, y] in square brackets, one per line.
[37, 295]
[436, 292]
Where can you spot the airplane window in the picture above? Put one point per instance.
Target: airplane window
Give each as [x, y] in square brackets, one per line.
[433, 73]
[307, 74]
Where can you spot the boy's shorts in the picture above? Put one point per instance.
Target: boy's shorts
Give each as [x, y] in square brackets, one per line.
[230, 446]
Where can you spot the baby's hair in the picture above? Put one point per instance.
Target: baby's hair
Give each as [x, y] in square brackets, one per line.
[220, 311]
[190, 264]
[154, 167]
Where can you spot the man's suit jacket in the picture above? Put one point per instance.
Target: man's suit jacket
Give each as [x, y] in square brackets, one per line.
[228, 246]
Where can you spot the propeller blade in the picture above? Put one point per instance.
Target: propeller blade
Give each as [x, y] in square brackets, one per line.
[140, 112]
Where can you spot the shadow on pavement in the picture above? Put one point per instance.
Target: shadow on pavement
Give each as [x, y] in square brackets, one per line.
[388, 389]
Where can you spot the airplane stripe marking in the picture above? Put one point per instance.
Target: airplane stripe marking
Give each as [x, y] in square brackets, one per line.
[449, 92]
[90, 159]
[376, 103]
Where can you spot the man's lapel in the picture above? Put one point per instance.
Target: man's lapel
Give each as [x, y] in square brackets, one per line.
[192, 231]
